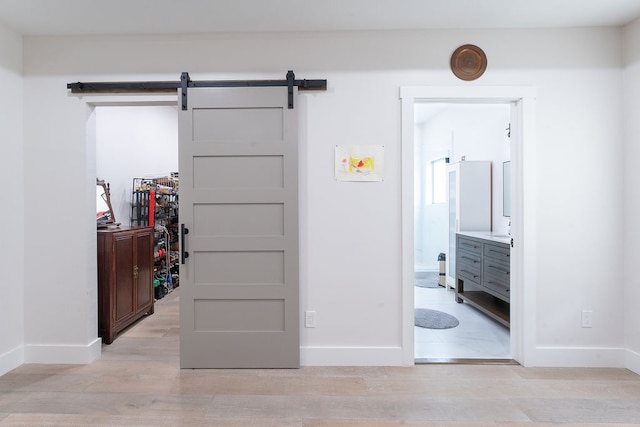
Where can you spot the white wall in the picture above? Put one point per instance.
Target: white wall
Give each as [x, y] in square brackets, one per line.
[12, 211]
[134, 142]
[354, 287]
[631, 196]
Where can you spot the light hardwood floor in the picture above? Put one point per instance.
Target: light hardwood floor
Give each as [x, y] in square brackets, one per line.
[476, 337]
[137, 382]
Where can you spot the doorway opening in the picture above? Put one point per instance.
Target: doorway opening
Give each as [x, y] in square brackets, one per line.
[521, 103]
[445, 135]
[133, 136]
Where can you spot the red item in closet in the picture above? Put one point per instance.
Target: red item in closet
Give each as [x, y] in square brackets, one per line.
[152, 206]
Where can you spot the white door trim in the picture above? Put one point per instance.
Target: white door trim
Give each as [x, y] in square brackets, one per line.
[523, 229]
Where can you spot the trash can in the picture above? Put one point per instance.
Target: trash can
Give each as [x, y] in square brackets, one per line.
[442, 276]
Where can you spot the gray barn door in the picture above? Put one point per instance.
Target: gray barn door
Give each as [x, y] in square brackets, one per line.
[238, 164]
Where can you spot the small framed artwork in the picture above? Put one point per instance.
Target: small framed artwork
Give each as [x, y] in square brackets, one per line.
[359, 163]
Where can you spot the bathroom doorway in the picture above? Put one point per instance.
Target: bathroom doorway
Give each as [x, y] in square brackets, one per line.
[521, 100]
[446, 134]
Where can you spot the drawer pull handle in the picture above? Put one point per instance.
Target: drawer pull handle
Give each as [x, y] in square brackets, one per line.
[469, 245]
[500, 270]
[469, 273]
[499, 253]
[498, 284]
[475, 261]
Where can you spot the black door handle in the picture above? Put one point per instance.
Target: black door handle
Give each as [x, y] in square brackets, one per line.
[183, 232]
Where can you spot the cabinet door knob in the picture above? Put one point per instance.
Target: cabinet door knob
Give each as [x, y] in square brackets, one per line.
[135, 271]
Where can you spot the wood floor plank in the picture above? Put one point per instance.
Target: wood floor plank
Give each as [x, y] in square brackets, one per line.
[138, 382]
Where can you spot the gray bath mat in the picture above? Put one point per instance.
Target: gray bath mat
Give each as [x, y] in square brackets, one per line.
[427, 283]
[434, 319]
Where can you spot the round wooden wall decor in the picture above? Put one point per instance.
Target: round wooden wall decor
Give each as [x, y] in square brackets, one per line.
[468, 62]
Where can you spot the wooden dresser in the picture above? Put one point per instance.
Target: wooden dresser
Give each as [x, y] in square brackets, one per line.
[125, 278]
[483, 274]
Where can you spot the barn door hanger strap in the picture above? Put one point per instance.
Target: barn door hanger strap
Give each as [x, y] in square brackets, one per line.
[289, 82]
[186, 82]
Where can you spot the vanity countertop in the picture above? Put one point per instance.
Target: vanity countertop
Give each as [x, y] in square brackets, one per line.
[487, 235]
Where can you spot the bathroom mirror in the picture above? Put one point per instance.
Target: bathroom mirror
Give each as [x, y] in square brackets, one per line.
[104, 211]
[506, 189]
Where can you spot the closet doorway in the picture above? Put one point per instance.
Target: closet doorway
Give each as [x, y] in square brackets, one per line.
[130, 138]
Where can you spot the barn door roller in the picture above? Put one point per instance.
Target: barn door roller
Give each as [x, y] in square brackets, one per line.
[185, 83]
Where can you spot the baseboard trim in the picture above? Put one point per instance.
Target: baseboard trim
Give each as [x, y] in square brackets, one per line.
[578, 357]
[455, 361]
[632, 361]
[351, 356]
[11, 360]
[63, 354]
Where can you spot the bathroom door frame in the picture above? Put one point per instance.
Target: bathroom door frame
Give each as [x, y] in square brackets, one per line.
[523, 228]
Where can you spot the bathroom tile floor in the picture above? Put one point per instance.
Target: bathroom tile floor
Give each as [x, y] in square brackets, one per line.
[476, 337]
[138, 382]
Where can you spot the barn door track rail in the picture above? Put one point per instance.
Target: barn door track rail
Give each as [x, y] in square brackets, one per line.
[185, 83]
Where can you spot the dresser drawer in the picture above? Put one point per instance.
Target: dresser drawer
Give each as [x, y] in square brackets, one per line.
[469, 271]
[469, 245]
[470, 259]
[496, 287]
[497, 269]
[496, 278]
[500, 253]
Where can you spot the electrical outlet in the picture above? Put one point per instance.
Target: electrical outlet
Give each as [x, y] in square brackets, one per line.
[587, 318]
[310, 319]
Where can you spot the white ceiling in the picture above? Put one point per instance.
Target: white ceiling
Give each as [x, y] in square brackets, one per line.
[75, 17]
